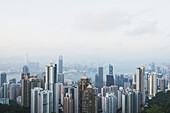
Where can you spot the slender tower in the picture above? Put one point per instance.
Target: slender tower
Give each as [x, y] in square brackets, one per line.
[60, 64]
[51, 83]
[153, 84]
[140, 72]
[26, 59]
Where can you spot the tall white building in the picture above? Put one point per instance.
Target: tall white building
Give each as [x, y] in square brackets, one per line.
[51, 83]
[76, 100]
[134, 78]
[137, 102]
[109, 103]
[131, 101]
[124, 103]
[51, 76]
[73, 90]
[140, 72]
[108, 89]
[153, 84]
[119, 97]
[168, 84]
[35, 99]
[45, 101]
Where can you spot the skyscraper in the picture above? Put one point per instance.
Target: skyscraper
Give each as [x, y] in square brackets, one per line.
[35, 99]
[153, 67]
[68, 103]
[51, 76]
[87, 97]
[12, 92]
[13, 80]
[121, 80]
[162, 86]
[130, 102]
[147, 81]
[97, 83]
[34, 82]
[45, 101]
[25, 72]
[28, 82]
[109, 103]
[76, 97]
[18, 90]
[140, 72]
[3, 78]
[25, 69]
[137, 102]
[104, 90]
[119, 98]
[116, 81]
[60, 92]
[61, 78]
[5, 87]
[51, 83]
[168, 84]
[134, 78]
[109, 80]
[26, 59]
[25, 94]
[82, 87]
[101, 76]
[60, 64]
[99, 79]
[124, 102]
[73, 90]
[110, 69]
[153, 84]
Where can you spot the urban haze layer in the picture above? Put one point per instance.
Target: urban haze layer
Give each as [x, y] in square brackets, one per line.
[82, 88]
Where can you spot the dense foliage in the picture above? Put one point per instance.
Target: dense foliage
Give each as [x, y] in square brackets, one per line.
[159, 104]
[13, 108]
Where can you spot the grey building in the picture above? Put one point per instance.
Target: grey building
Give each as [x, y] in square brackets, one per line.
[61, 78]
[99, 79]
[13, 80]
[109, 80]
[60, 62]
[110, 69]
[5, 87]
[12, 92]
[68, 103]
[3, 78]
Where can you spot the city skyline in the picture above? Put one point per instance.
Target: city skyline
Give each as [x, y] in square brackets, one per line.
[91, 56]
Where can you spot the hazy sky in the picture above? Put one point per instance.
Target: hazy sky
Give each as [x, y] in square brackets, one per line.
[115, 29]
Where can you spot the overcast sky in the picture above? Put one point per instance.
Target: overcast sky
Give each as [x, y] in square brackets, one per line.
[120, 29]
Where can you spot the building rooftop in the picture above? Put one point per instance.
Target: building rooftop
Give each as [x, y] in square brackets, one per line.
[84, 77]
[89, 86]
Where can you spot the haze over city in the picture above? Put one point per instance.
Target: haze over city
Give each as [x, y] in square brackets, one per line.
[115, 31]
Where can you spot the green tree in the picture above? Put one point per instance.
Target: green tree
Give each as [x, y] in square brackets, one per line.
[154, 109]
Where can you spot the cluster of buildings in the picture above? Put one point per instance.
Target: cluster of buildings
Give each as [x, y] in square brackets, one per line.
[49, 93]
[8, 90]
